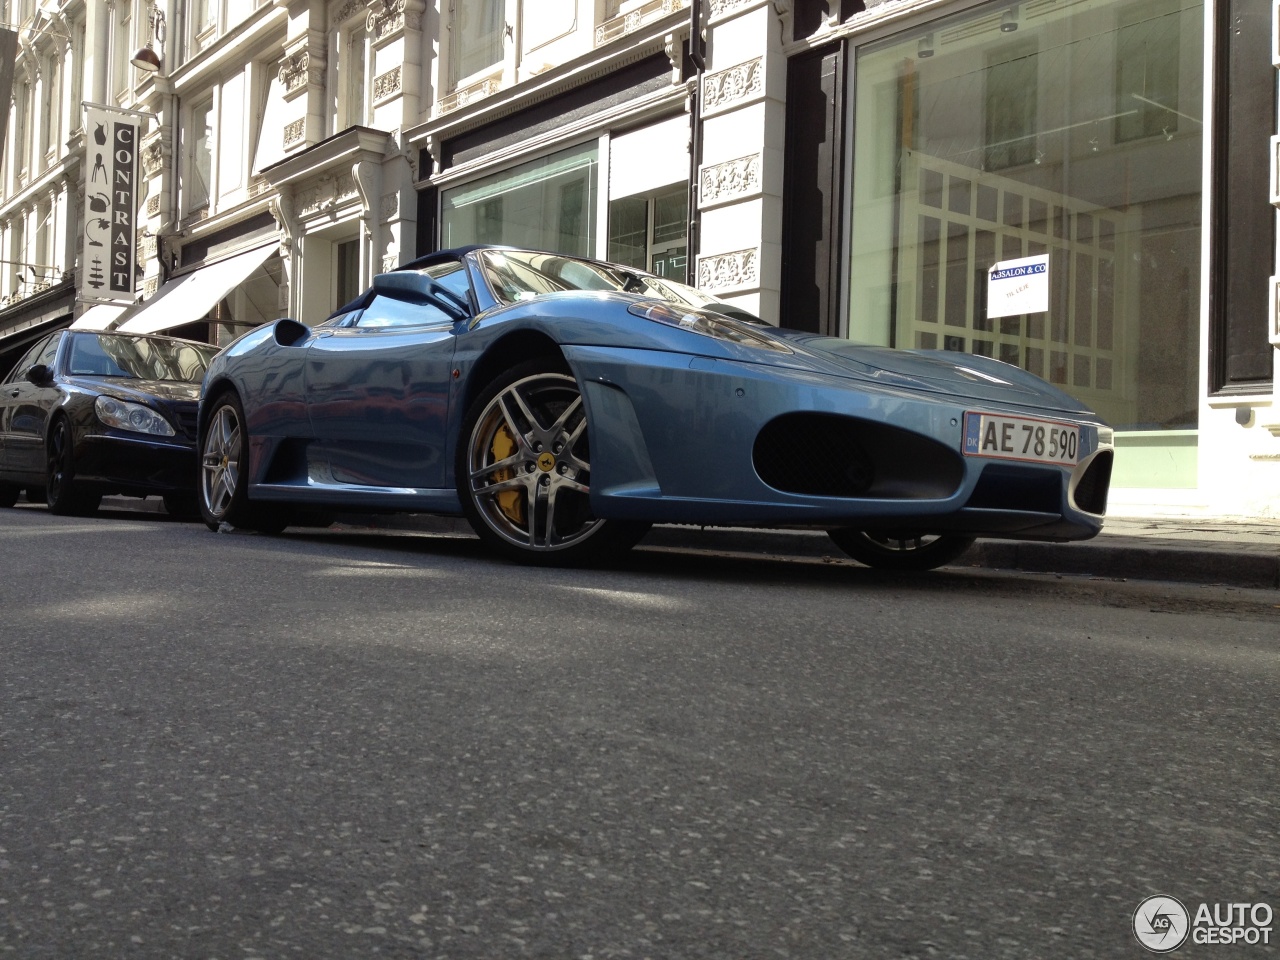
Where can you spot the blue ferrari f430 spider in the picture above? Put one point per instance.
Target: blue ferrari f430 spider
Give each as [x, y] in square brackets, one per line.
[563, 405]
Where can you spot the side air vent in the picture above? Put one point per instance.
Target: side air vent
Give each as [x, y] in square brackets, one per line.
[829, 455]
[1091, 491]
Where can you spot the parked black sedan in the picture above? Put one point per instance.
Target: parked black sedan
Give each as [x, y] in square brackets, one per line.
[88, 413]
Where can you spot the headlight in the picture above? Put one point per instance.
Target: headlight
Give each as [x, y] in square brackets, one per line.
[131, 416]
[704, 322]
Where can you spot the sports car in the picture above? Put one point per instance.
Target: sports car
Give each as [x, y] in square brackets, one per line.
[87, 413]
[563, 405]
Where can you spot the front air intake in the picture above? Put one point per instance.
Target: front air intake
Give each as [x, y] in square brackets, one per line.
[1091, 492]
[829, 455]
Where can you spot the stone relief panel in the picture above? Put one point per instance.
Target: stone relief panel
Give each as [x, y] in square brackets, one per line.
[388, 84]
[738, 269]
[293, 132]
[730, 87]
[731, 180]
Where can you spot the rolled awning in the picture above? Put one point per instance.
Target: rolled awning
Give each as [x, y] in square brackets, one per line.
[190, 297]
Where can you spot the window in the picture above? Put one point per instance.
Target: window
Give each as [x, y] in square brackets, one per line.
[352, 66]
[197, 185]
[1040, 131]
[476, 33]
[347, 272]
[122, 50]
[649, 232]
[545, 204]
[388, 312]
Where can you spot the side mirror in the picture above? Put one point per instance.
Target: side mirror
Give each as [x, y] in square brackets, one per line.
[40, 375]
[413, 287]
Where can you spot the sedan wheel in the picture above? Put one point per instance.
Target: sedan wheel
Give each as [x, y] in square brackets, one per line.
[224, 480]
[524, 471]
[64, 496]
[900, 551]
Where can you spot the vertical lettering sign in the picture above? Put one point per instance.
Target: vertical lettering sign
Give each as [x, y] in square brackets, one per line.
[109, 250]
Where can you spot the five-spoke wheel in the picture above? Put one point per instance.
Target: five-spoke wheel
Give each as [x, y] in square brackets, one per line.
[224, 479]
[524, 470]
[900, 551]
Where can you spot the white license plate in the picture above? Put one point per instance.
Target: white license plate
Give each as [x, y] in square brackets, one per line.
[1021, 438]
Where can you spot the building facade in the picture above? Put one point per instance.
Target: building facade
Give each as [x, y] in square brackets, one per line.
[851, 169]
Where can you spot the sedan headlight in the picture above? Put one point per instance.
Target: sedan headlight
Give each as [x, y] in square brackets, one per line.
[131, 416]
[705, 322]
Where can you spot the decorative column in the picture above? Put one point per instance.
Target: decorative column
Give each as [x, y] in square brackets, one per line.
[740, 178]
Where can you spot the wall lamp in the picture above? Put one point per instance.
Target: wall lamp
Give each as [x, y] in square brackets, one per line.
[146, 58]
[1009, 20]
[925, 50]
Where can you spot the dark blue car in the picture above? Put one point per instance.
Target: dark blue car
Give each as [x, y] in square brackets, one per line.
[563, 405]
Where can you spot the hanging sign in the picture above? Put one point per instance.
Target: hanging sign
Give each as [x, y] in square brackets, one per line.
[109, 250]
[1018, 286]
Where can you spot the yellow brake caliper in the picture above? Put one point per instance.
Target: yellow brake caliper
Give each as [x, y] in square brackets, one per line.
[510, 502]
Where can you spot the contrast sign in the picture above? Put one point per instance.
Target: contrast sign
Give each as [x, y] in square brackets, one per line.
[1018, 286]
[109, 251]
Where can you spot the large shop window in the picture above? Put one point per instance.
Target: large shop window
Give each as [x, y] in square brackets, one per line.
[1067, 131]
[545, 204]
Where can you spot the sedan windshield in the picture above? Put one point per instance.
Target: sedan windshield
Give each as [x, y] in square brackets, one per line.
[517, 275]
[139, 358]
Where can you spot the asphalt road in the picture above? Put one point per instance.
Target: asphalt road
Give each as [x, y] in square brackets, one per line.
[349, 744]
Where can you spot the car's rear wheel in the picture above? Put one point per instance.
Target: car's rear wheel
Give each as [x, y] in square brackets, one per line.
[524, 471]
[224, 477]
[63, 494]
[900, 551]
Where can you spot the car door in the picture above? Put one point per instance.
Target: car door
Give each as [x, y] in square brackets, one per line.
[24, 408]
[378, 395]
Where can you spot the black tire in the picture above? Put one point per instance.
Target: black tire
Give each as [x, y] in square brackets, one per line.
[63, 494]
[182, 506]
[223, 495]
[8, 495]
[523, 471]
[900, 551]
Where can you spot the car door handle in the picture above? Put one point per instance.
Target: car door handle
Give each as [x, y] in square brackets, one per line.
[14, 392]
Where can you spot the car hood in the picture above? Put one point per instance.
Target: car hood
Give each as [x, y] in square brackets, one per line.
[936, 371]
[143, 390]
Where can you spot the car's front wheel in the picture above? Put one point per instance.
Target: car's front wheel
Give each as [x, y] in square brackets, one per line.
[524, 471]
[224, 477]
[900, 551]
[63, 494]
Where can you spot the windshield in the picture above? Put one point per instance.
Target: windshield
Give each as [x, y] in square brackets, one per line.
[139, 358]
[517, 275]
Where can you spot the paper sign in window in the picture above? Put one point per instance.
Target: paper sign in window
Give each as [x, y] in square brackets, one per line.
[1015, 287]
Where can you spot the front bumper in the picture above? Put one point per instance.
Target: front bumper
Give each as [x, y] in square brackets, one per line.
[118, 462]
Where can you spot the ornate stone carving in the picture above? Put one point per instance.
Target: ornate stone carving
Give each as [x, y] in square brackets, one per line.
[729, 271]
[152, 157]
[388, 84]
[389, 207]
[477, 91]
[293, 132]
[348, 10]
[397, 15]
[729, 86]
[294, 71]
[153, 205]
[721, 7]
[150, 286]
[731, 179]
